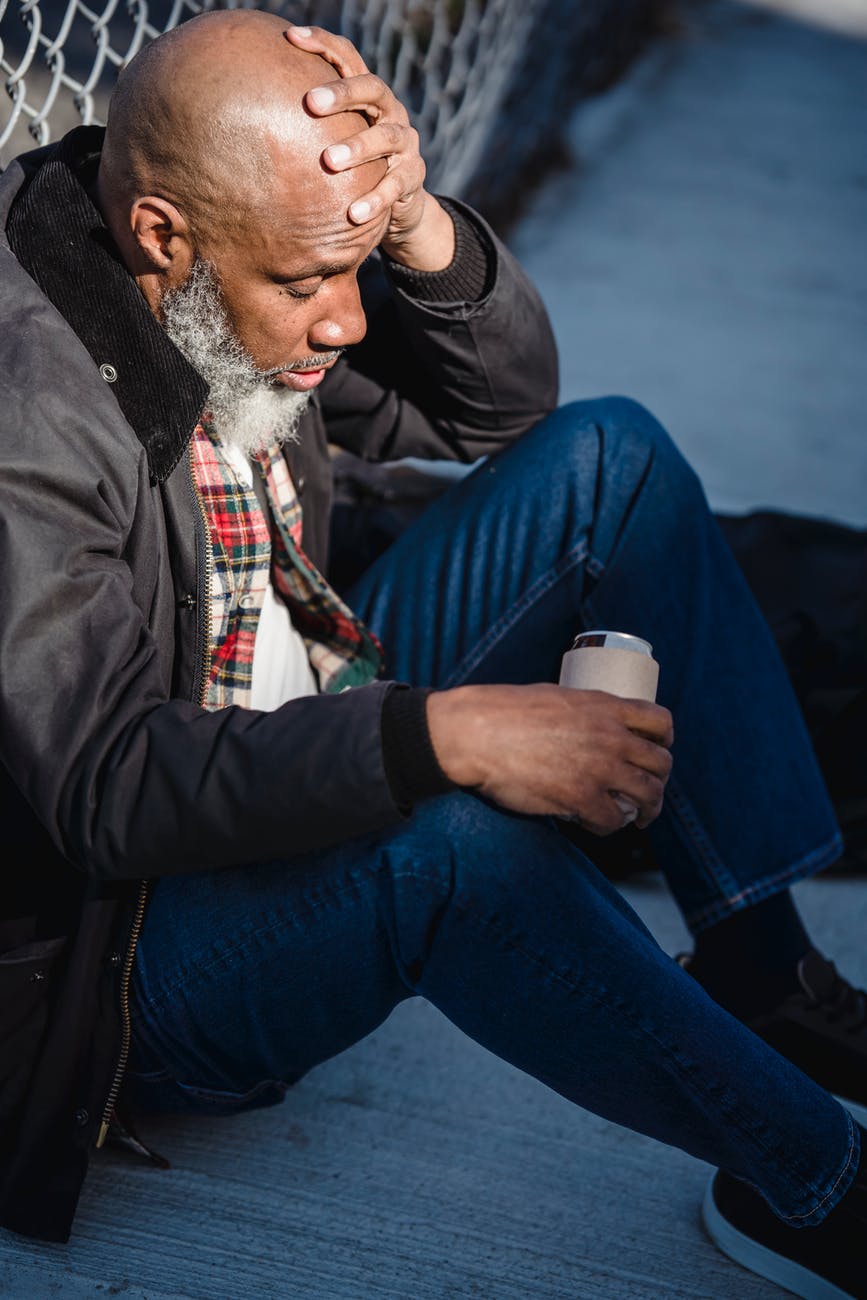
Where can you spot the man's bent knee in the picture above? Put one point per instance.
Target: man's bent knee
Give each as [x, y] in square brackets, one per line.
[621, 419]
[631, 441]
[459, 848]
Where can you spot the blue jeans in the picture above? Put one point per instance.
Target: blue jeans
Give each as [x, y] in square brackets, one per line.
[247, 978]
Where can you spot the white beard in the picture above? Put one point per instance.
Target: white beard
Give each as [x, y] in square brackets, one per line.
[247, 408]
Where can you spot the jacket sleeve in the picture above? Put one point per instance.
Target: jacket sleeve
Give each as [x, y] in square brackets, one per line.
[445, 380]
[127, 781]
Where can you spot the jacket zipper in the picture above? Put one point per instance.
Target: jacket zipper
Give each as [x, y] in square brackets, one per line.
[126, 1022]
[144, 886]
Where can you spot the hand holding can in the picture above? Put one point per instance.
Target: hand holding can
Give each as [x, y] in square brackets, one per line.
[618, 663]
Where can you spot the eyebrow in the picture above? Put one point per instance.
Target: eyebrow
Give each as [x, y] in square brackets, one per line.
[323, 269]
[334, 266]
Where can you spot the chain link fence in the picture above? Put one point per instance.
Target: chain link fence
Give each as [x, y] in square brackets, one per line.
[487, 82]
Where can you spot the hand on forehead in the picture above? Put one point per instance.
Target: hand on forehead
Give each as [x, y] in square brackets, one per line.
[389, 138]
[217, 107]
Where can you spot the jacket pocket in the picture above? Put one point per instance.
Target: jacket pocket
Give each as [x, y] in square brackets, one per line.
[25, 996]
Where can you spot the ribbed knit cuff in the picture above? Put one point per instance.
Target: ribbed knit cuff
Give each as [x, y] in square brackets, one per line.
[467, 278]
[411, 765]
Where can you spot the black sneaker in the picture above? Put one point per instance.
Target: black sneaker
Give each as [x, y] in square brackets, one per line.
[822, 1028]
[828, 1262]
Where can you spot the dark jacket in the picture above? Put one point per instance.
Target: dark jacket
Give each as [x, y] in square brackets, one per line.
[112, 771]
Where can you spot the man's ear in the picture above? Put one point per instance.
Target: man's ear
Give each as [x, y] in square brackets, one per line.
[162, 236]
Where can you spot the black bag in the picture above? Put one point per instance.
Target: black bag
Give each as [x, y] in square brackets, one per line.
[810, 579]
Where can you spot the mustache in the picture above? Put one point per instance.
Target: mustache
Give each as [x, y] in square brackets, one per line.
[306, 363]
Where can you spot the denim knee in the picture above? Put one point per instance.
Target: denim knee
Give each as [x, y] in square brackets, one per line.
[631, 435]
[443, 839]
[459, 846]
[637, 475]
[461, 850]
[513, 875]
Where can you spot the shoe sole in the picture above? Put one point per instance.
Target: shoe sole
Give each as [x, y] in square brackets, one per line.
[767, 1263]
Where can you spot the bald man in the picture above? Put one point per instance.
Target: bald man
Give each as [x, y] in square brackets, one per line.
[249, 814]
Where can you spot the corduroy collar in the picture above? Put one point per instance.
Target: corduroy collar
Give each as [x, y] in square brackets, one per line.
[61, 240]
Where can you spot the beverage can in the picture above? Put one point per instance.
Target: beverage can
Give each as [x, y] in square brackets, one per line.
[617, 662]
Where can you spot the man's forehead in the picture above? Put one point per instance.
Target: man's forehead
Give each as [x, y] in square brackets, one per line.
[311, 225]
[296, 256]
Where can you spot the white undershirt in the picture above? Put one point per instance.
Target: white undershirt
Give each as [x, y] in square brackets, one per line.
[281, 668]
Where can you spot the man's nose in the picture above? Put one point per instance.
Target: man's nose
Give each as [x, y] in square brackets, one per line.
[343, 322]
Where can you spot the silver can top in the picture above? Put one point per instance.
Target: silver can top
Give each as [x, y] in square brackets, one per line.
[614, 641]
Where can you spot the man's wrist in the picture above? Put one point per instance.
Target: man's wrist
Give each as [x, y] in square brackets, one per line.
[452, 725]
[469, 278]
[430, 246]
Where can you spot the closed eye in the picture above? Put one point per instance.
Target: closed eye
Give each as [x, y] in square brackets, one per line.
[297, 291]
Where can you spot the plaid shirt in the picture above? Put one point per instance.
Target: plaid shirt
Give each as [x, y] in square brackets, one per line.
[247, 547]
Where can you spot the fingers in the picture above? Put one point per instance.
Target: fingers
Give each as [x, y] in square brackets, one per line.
[358, 90]
[337, 50]
[648, 755]
[362, 94]
[398, 145]
[398, 186]
[390, 137]
[630, 761]
[643, 789]
[383, 140]
[610, 813]
[643, 719]
[611, 809]
[646, 719]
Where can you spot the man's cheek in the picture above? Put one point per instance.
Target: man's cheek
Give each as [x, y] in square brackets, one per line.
[280, 328]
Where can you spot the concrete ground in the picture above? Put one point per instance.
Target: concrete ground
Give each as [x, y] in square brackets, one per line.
[706, 256]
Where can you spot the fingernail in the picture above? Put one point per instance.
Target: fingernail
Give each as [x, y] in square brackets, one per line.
[322, 97]
[339, 154]
[360, 211]
[303, 32]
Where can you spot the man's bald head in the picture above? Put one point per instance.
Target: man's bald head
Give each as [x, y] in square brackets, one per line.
[209, 114]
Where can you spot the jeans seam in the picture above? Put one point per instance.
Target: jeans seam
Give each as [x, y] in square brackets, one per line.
[808, 865]
[706, 1097]
[228, 1095]
[853, 1147]
[715, 870]
[535, 592]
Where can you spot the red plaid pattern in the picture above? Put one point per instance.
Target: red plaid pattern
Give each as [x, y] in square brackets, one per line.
[246, 549]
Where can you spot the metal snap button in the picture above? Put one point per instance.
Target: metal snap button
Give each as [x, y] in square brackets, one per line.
[108, 373]
[81, 1117]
